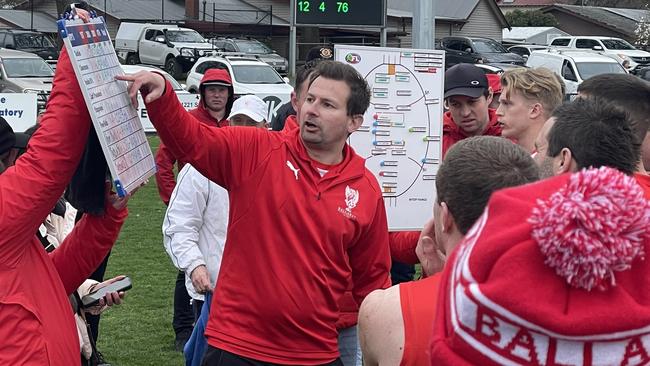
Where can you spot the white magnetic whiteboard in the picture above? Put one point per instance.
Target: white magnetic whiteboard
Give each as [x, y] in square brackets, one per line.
[401, 136]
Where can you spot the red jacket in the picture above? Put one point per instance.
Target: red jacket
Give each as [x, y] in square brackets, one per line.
[451, 133]
[36, 322]
[165, 161]
[294, 239]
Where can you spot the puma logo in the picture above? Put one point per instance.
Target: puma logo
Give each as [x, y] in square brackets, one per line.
[293, 169]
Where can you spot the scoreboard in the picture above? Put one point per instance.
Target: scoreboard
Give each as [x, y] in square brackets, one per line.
[371, 13]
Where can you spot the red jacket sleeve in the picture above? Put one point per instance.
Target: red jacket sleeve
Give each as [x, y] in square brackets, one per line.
[86, 246]
[370, 257]
[402, 246]
[226, 156]
[165, 179]
[29, 189]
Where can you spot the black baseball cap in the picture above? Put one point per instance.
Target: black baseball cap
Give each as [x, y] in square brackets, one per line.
[465, 79]
[320, 53]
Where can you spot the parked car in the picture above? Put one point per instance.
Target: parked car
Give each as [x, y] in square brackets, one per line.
[173, 48]
[24, 72]
[630, 57]
[524, 50]
[475, 50]
[497, 68]
[574, 66]
[249, 76]
[253, 47]
[189, 101]
[29, 41]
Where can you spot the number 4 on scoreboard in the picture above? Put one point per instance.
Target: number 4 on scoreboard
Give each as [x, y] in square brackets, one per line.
[321, 7]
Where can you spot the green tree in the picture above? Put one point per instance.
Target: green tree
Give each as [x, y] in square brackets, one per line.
[531, 18]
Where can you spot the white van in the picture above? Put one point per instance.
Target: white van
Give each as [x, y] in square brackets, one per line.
[574, 66]
[630, 57]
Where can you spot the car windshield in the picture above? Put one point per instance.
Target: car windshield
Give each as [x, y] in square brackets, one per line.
[253, 47]
[589, 69]
[488, 46]
[27, 68]
[256, 74]
[617, 44]
[175, 84]
[32, 41]
[185, 36]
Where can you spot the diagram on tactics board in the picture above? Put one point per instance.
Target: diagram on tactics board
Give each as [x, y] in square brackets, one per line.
[401, 136]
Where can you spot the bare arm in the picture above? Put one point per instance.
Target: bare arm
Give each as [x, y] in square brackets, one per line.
[381, 328]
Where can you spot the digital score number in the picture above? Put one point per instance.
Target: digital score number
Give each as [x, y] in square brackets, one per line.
[341, 12]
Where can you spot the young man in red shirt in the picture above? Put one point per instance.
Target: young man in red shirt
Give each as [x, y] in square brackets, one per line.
[396, 324]
[306, 216]
[467, 98]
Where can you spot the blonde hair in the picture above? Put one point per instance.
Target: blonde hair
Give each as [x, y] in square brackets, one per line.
[538, 85]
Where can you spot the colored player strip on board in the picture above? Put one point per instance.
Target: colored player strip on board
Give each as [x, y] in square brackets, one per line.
[382, 78]
[428, 70]
[388, 163]
[382, 124]
[429, 177]
[431, 138]
[398, 152]
[403, 108]
[417, 129]
[408, 54]
[380, 92]
[363, 128]
[398, 124]
[389, 184]
[388, 174]
[380, 132]
[404, 93]
[376, 152]
[430, 161]
[382, 106]
[382, 143]
[432, 101]
[402, 77]
[399, 143]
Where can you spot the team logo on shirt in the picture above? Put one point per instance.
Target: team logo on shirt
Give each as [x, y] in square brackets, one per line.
[351, 200]
[293, 169]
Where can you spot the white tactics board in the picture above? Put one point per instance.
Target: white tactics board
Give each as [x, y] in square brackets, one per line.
[116, 121]
[401, 136]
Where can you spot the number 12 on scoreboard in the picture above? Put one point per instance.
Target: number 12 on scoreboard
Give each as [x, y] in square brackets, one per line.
[305, 6]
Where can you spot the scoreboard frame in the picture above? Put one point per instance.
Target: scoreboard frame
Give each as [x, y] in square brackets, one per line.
[311, 19]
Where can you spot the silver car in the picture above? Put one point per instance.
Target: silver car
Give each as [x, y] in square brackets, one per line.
[22, 72]
[252, 48]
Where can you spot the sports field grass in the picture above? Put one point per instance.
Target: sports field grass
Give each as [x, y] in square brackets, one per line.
[139, 332]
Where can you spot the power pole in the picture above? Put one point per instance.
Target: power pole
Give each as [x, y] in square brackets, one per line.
[424, 24]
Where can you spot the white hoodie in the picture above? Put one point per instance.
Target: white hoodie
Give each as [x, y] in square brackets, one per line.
[195, 225]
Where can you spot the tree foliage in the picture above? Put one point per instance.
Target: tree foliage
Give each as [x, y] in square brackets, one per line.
[531, 18]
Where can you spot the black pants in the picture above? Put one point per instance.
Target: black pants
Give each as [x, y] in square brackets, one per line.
[216, 357]
[183, 321]
[93, 320]
[401, 272]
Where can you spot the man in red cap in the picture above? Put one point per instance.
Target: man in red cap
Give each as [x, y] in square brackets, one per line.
[217, 97]
[467, 96]
[395, 324]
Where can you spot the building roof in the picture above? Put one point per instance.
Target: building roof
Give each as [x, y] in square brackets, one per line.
[23, 19]
[524, 3]
[445, 10]
[238, 11]
[141, 10]
[527, 32]
[617, 19]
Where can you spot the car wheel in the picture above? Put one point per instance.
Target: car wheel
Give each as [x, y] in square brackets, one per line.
[132, 59]
[173, 68]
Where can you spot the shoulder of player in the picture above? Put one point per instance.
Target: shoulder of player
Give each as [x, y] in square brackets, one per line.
[380, 309]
